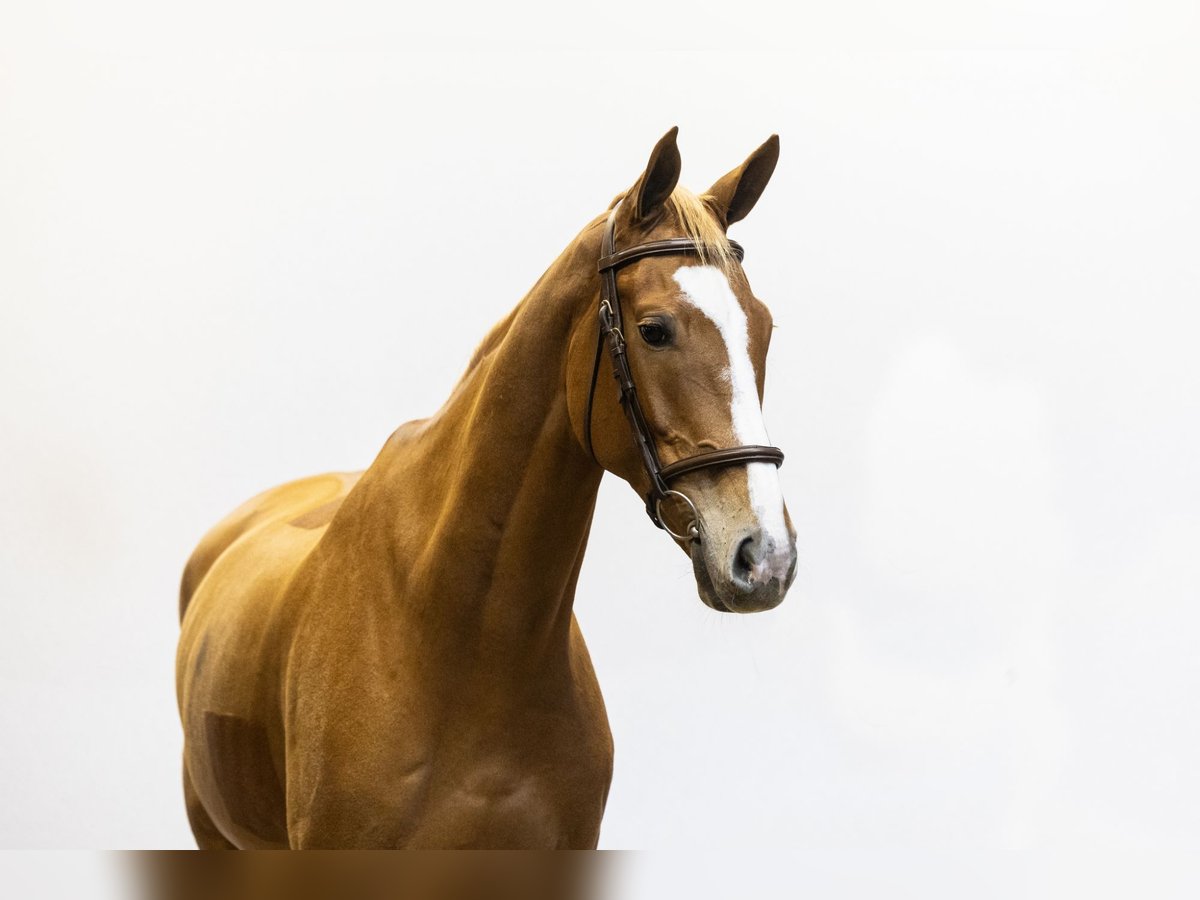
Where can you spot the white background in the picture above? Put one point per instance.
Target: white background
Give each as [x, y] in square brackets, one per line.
[224, 264]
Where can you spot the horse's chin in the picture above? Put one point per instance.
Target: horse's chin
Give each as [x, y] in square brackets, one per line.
[704, 585]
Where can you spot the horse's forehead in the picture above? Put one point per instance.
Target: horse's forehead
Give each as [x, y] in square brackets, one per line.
[707, 288]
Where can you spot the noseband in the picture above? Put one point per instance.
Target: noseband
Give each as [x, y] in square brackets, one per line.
[610, 331]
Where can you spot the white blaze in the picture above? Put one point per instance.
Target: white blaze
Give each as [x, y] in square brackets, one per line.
[707, 289]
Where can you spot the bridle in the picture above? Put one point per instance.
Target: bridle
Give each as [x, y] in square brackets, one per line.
[610, 330]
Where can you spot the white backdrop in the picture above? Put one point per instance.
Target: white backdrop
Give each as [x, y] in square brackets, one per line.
[221, 245]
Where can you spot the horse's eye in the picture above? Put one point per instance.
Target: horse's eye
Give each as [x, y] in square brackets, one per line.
[653, 334]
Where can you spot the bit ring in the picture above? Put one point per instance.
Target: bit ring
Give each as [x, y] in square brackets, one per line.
[693, 529]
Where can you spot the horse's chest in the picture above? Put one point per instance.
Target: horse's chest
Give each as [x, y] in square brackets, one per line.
[493, 802]
[499, 806]
[458, 787]
[517, 795]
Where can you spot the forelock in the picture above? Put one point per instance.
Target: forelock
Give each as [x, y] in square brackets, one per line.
[701, 225]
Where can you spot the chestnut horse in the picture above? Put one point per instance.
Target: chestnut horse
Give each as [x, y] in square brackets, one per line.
[389, 658]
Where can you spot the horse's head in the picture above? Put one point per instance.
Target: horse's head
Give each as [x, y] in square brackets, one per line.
[696, 339]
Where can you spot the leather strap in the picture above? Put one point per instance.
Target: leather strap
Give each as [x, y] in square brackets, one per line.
[611, 331]
[727, 457]
[668, 247]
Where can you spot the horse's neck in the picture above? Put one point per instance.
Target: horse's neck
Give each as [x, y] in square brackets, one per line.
[488, 504]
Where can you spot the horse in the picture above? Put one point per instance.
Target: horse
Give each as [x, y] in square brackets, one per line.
[389, 658]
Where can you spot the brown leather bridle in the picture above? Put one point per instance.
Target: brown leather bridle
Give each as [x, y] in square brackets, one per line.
[610, 329]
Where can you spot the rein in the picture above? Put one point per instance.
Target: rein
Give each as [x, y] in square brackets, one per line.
[610, 331]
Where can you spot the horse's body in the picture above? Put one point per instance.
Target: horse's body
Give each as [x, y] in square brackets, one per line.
[389, 658]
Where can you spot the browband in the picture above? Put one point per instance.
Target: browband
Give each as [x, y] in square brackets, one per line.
[658, 248]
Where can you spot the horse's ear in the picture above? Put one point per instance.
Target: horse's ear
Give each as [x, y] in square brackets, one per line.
[733, 196]
[659, 179]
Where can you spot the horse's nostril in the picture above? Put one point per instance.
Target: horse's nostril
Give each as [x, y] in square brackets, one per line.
[745, 560]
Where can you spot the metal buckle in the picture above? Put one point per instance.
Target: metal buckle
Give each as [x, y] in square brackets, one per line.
[693, 529]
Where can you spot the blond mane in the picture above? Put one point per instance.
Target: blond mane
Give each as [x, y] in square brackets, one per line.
[701, 225]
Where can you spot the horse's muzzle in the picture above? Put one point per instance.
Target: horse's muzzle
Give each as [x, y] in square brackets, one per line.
[749, 572]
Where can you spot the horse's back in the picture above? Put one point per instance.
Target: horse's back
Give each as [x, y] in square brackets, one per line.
[309, 503]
